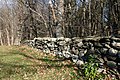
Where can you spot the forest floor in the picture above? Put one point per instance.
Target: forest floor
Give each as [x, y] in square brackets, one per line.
[25, 63]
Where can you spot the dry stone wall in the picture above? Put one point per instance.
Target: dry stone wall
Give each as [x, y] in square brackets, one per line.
[106, 49]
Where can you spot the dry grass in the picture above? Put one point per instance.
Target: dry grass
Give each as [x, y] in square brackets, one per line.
[25, 63]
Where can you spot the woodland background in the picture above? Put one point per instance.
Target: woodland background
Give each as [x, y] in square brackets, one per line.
[26, 19]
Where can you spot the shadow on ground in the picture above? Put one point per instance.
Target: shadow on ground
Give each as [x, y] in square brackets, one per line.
[8, 69]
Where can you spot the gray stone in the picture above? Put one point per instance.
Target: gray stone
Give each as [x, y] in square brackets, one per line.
[81, 53]
[46, 51]
[101, 70]
[79, 62]
[104, 51]
[111, 64]
[50, 44]
[66, 54]
[76, 60]
[118, 64]
[53, 39]
[113, 58]
[60, 38]
[62, 43]
[76, 48]
[97, 45]
[39, 47]
[115, 39]
[80, 44]
[101, 60]
[112, 52]
[59, 54]
[67, 39]
[107, 46]
[116, 44]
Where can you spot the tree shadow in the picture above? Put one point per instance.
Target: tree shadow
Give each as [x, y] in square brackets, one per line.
[8, 69]
[41, 59]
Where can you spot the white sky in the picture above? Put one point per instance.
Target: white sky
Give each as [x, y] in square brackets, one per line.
[4, 1]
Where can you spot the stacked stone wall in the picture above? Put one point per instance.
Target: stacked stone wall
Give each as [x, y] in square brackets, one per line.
[106, 49]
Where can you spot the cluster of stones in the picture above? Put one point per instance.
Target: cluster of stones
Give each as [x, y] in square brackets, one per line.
[107, 49]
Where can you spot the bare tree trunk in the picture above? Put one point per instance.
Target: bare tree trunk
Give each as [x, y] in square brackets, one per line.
[89, 24]
[1, 42]
[12, 34]
[59, 23]
[8, 37]
[102, 20]
[84, 10]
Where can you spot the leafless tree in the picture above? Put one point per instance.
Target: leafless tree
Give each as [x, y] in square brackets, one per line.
[26, 19]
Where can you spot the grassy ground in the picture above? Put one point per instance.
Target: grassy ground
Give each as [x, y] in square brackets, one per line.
[24, 63]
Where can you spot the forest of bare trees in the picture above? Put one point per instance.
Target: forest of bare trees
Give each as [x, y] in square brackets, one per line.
[26, 19]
